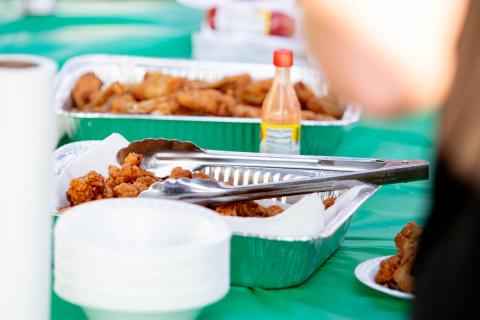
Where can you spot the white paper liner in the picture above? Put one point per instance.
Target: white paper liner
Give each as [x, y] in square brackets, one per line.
[97, 158]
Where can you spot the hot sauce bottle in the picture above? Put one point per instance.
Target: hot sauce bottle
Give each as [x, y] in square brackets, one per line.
[281, 113]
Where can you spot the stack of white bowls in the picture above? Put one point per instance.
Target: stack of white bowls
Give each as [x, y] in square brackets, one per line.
[141, 258]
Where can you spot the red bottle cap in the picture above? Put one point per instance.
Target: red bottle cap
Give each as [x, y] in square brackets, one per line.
[283, 58]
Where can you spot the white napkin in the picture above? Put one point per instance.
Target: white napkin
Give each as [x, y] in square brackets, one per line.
[96, 158]
[307, 217]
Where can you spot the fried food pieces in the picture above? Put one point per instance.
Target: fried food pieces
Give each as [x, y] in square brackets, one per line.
[129, 180]
[328, 202]
[125, 181]
[396, 270]
[86, 85]
[88, 188]
[163, 94]
[238, 209]
[207, 102]
[247, 209]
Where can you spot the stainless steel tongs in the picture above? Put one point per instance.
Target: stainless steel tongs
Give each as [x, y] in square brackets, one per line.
[212, 192]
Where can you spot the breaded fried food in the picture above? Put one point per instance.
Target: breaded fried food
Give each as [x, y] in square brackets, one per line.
[130, 172]
[121, 103]
[133, 159]
[85, 86]
[156, 84]
[90, 187]
[304, 93]
[129, 180]
[402, 277]
[387, 268]
[163, 94]
[207, 102]
[241, 209]
[245, 111]
[310, 115]
[327, 105]
[396, 271]
[328, 202]
[99, 98]
[125, 190]
[231, 85]
[179, 172]
[254, 93]
[273, 211]
[200, 175]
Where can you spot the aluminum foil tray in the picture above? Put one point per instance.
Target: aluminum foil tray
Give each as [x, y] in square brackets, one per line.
[219, 133]
[265, 261]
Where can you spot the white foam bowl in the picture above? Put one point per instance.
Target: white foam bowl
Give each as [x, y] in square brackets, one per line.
[141, 258]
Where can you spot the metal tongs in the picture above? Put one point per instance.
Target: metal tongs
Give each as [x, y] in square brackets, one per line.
[346, 172]
[212, 192]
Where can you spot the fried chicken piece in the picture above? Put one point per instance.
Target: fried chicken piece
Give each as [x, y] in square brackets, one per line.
[403, 274]
[125, 190]
[195, 85]
[99, 98]
[179, 172]
[155, 84]
[327, 105]
[127, 174]
[231, 85]
[387, 269]
[273, 211]
[328, 202]
[85, 86]
[255, 93]
[143, 183]
[201, 175]
[121, 103]
[304, 93]
[90, 187]
[310, 115]
[407, 240]
[396, 271]
[208, 102]
[133, 159]
[241, 209]
[130, 172]
[245, 111]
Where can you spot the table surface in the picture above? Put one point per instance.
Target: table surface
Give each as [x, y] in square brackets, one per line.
[163, 29]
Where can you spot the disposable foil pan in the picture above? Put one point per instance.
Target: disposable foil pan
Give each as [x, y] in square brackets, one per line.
[218, 133]
[266, 261]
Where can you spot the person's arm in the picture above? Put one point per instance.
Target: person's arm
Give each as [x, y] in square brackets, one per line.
[389, 56]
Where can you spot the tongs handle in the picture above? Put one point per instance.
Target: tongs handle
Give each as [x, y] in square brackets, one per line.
[393, 172]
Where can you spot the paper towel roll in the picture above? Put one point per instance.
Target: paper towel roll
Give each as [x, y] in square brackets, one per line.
[26, 185]
[39, 7]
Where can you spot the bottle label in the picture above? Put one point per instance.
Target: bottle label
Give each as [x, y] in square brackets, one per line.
[280, 138]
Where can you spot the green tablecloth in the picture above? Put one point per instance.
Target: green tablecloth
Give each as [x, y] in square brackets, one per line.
[163, 28]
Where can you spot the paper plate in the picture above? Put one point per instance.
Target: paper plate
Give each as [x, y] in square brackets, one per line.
[365, 273]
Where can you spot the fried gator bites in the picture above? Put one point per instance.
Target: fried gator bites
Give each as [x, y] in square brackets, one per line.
[88, 188]
[125, 181]
[130, 179]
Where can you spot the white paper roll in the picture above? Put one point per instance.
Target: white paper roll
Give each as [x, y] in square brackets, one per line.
[26, 185]
[39, 7]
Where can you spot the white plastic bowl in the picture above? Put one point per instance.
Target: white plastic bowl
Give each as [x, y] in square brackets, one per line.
[141, 258]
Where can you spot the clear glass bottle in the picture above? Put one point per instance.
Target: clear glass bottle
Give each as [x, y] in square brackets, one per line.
[281, 112]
